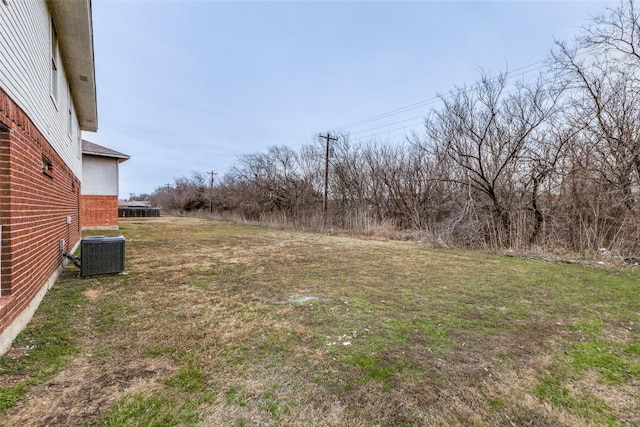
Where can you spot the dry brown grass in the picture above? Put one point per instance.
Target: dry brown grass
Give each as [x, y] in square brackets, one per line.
[222, 324]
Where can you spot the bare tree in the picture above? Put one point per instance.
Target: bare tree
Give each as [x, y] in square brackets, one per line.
[600, 75]
[484, 130]
[617, 30]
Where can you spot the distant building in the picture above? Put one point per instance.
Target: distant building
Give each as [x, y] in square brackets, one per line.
[136, 209]
[100, 183]
[134, 204]
[47, 97]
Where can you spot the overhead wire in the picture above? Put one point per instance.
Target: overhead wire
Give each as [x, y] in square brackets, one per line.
[509, 75]
[521, 71]
[428, 101]
[351, 127]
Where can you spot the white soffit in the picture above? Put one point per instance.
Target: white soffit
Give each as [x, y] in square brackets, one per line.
[74, 26]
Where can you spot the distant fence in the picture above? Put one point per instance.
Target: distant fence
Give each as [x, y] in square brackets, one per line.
[138, 212]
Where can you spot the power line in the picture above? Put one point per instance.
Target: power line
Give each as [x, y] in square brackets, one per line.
[387, 132]
[510, 74]
[388, 124]
[435, 99]
[391, 113]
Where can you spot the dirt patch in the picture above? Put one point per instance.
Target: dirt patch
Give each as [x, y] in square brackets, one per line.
[83, 391]
[92, 294]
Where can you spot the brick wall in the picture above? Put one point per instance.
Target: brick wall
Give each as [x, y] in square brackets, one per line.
[34, 206]
[99, 211]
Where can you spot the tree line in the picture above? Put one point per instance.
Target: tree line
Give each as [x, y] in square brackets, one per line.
[550, 163]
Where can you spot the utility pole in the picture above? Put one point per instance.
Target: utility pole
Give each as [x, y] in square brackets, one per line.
[328, 138]
[212, 174]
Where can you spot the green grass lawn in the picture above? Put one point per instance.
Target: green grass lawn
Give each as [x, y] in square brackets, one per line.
[223, 324]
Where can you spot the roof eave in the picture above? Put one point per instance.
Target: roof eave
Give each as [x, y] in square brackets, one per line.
[113, 156]
[75, 37]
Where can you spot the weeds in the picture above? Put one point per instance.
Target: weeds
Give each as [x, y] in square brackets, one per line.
[189, 378]
[158, 410]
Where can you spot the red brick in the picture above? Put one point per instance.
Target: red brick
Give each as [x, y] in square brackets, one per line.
[99, 211]
[33, 211]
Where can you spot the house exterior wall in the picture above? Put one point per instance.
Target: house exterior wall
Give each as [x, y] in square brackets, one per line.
[100, 176]
[99, 200]
[34, 206]
[25, 76]
[39, 207]
[99, 212]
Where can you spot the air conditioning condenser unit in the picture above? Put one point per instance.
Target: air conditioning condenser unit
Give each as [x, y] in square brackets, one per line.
[101, 255]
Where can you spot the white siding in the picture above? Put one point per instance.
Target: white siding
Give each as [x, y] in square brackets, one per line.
[25, 75]
[100, 176]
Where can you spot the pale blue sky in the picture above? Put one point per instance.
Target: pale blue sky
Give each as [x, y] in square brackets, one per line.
[190, 85]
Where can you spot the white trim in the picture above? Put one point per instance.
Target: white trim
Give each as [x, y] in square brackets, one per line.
[75, 40]
[69, 113]
[55, 65]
